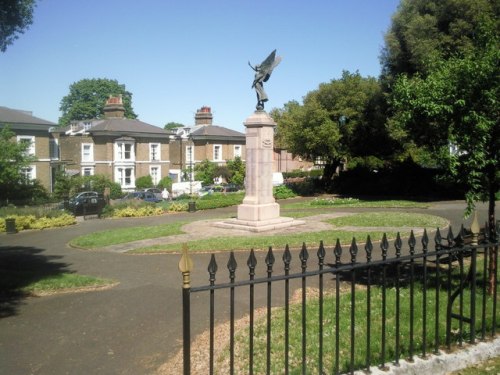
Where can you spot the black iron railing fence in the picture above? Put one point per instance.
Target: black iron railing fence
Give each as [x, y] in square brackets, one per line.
[370, 309]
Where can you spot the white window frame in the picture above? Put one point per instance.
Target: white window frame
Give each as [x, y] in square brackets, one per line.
[121, 177]
[120, 150]
[90, 169]
[238, 150]
[153, 146]
[90, 157]
[29, 172]
[217, 156]
[155, 177]
[31, 138]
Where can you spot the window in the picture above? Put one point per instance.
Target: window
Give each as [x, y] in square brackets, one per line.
[154, 151]
[87, 152]
[125, 177]
[124, 151]
[54, 149]
[28, 173]
[154, 172]
[88, 171]
[237, 151]
[29, 140]
[217, 152]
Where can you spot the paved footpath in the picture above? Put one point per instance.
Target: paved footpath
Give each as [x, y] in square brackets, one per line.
[131, 328]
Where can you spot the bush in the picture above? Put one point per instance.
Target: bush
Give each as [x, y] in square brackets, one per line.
[283, 192]
[218, 200]
[24, 222]
[142, 211]
[144, 182]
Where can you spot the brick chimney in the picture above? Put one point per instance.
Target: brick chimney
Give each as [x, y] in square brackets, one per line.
[203, 116]
[114, 107]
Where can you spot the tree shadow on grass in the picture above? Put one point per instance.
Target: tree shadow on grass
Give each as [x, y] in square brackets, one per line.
[19, 267]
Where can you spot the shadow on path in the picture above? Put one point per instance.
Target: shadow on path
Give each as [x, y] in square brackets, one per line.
[19, 267]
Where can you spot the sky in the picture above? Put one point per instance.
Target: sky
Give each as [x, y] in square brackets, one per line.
[176, 56]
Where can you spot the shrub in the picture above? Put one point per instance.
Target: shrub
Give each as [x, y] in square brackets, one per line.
[283, 192]
[24, 222]
[218, 200]
[145, 210]
[178, 206]
[144, 182]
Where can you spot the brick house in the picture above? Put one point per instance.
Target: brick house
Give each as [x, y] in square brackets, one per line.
[204, 141]
[120, 148]
[43, 146]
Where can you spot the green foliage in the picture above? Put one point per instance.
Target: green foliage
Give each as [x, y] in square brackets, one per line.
[457, 104]
[218, 200]
[283, 192]
[140, 211]
[425, 31]
[13, 158]
[24, 222]
[15, 17]
[237, 171]
[172, 126]
[205, 172]
[340, 120]
[165, 183]
[87, 97]
[144, 182]
[66, 186]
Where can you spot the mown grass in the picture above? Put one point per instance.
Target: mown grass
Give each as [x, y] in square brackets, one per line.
[390, 219]
[353, 202]
[311, 239]
[361, 344]
[28, 281]
[124, 235]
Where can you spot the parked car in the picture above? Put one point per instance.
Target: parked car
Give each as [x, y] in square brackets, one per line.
[229, 188]
[86, 203]
[155, 191]
[145, 196]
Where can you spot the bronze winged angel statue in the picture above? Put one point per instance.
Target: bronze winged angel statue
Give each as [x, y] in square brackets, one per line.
[262, 74]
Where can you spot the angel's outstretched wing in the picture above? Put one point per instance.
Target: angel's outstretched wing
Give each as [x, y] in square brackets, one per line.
[269, 64]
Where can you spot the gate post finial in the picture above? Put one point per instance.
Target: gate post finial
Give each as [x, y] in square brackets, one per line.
[185, 266]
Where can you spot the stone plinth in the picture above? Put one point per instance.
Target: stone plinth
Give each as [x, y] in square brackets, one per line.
[259, 210]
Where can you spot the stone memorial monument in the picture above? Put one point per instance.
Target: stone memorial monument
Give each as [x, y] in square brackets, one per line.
[259, 211]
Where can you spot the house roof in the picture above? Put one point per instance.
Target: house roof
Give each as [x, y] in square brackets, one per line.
[16, 117]
[215, 132]
[116, 126]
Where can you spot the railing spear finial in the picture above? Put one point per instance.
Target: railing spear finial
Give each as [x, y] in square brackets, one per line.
[186, 266]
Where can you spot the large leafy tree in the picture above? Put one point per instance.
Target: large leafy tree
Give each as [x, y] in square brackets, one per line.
[13, 159]
[87, 97]
[456, 105]
[340, 120]
[424, 31]
[15, 17]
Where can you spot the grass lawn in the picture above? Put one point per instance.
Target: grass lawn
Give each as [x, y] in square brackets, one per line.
[353, 202]
[311, 239]
[390, 219]
[124, 235]
[363, 346]
[28, 282]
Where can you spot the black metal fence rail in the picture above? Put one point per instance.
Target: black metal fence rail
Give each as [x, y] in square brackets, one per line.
[434, 286]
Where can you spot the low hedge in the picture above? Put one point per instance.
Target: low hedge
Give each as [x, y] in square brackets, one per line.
[24, 222]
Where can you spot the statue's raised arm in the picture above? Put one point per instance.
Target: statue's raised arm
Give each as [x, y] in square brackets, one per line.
[262, 74]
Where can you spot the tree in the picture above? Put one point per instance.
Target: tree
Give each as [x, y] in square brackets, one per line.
[144, 182]
[13, 159]
[340, 120]
[15, 17]
[172, 126]
[423, 31]
[237, 171]
[205, 172]
[87, 97]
